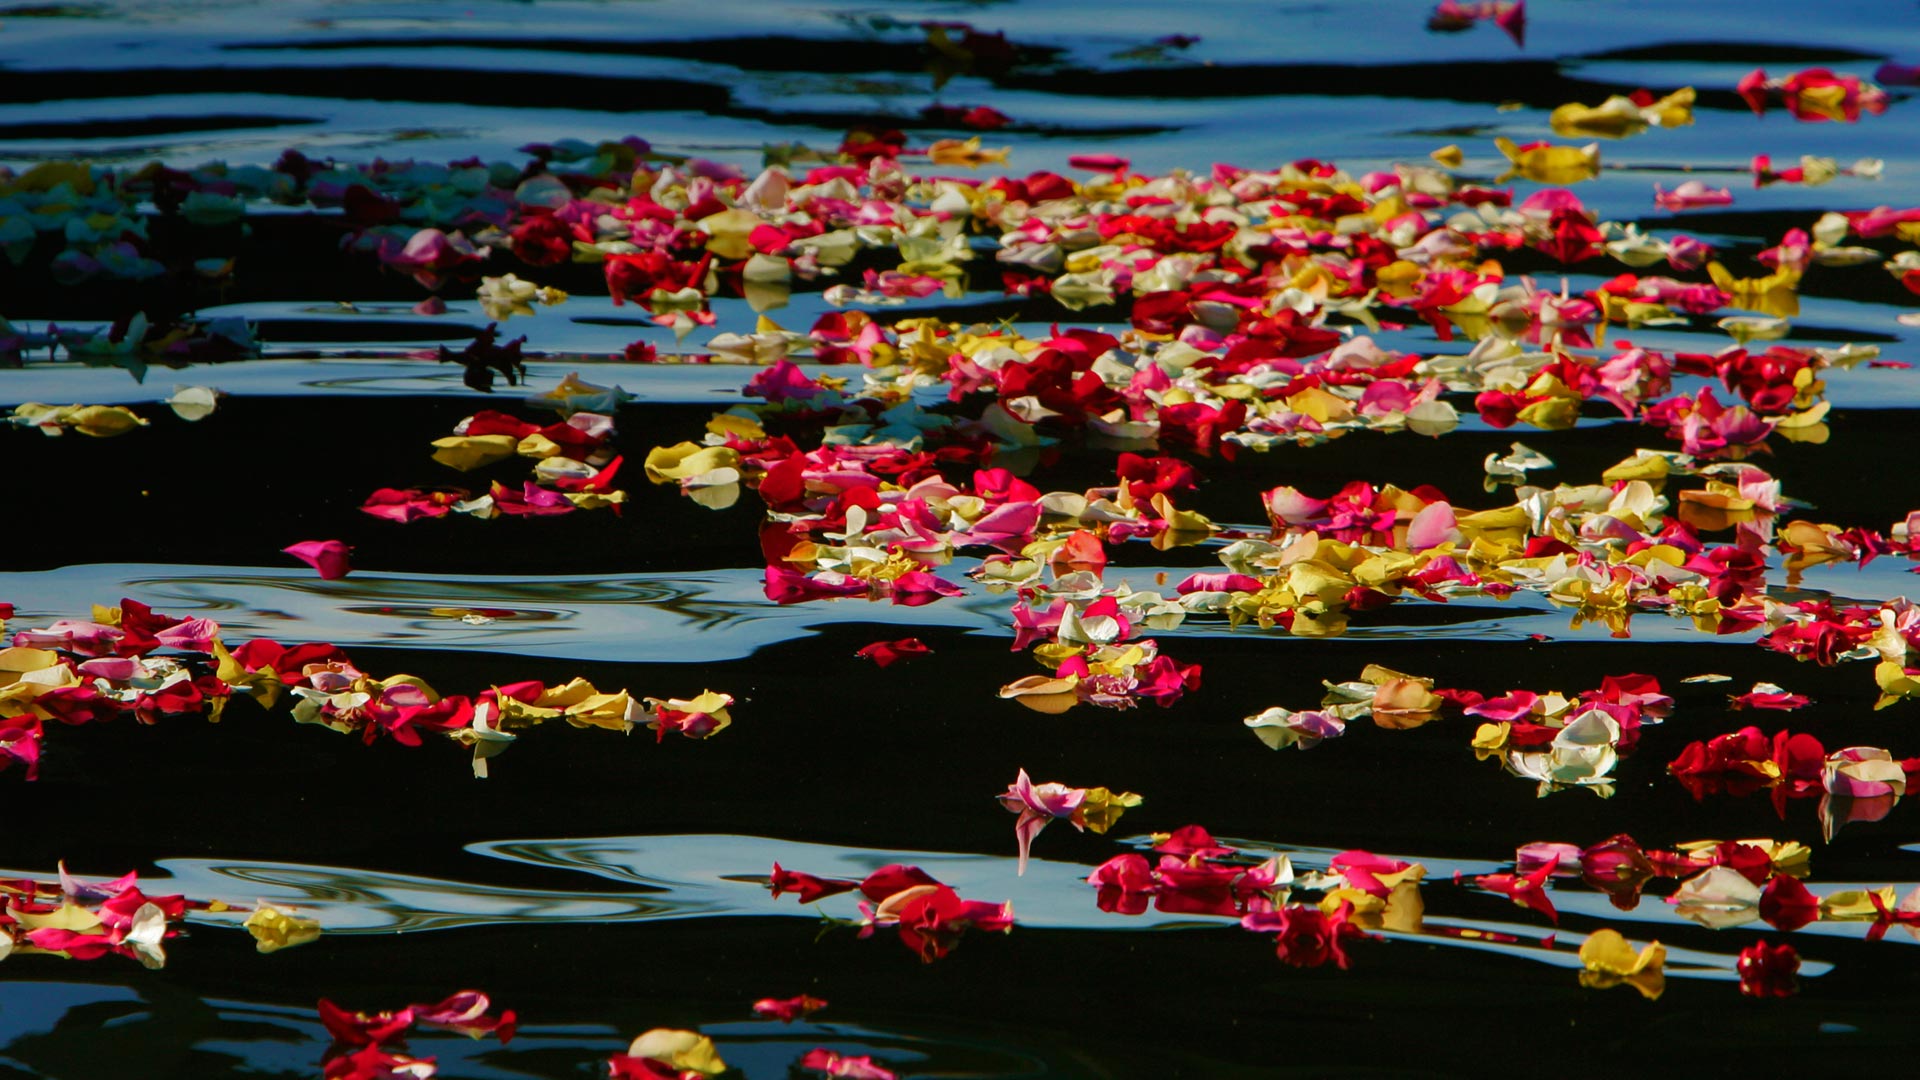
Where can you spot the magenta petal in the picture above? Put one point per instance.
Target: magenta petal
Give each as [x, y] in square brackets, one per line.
[782, 382]
[918, 587]
[1223, 582]
[1386, 396]
[1512, 706]
[1514, 21]
[329, 557]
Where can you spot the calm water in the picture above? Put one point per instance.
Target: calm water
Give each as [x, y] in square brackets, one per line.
[603, 887]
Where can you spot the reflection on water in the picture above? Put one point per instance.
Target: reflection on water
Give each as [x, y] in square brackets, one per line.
[717, 876]
[348, 901]
[128, 81]
[685, 616]
[714, 615]
[65, 1030]
[79, 1031]
[82, 1032]
[725, 875]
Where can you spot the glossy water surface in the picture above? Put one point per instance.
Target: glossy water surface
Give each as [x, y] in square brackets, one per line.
[602, 886]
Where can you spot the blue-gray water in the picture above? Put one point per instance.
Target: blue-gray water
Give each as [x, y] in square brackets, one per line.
[603, 886]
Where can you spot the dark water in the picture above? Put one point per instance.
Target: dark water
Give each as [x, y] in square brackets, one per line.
[601, 887]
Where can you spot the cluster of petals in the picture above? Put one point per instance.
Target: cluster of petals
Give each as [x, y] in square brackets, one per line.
[573, 469]
[1817, 630]
[371, 1046]
[1722, 883]
[132, 661]
[1619, 867]
[846, 521]
[1563, 741]
[1557, 740]
[866, 515]
[1865, 781]
[1609, 550]
[1753, 888]
[98, 421]
[1390, 698]
[509, 294]
[1813, 94]
[1229, 283]
[1229, 276]
[1094, 656]
[929, 916]
[86, 921]
[1193, 874]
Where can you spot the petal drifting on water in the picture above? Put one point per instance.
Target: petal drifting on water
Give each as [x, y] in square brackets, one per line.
[328, 557]
[1280, 728]
[1691, 195]
[1548, 164]
[194, 403]
[681, 1051]
[806, 886]
[1610, 961]
[786, 1010]
[1527, 889]
[1717, 898]
[274, 929]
